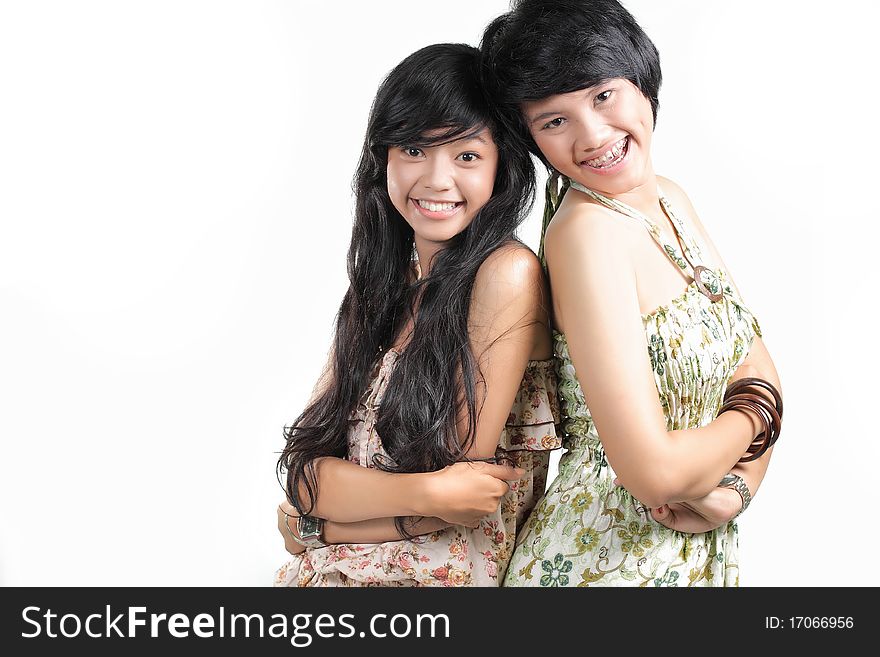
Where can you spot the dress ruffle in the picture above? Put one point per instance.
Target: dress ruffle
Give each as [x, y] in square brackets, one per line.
[456, 556]
[534, 419]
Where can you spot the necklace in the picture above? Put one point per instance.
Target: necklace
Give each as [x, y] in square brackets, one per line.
[706, 280]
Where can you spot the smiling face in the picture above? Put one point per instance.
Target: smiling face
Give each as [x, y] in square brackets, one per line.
[439, 189]
[599, 136]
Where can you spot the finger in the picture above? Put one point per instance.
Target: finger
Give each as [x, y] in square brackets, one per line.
[666, 517]
[496, 487]
[661, 515]
[506, 472]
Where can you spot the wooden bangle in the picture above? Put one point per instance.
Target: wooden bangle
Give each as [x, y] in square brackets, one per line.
[751, 381]
[744, 395]
[761, 443]
[764, 403]
[755, 446]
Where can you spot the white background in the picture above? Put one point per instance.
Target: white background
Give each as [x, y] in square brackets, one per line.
[175, 209]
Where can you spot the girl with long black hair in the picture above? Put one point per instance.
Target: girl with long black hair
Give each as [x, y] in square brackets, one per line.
[441, 358]
[654, 342]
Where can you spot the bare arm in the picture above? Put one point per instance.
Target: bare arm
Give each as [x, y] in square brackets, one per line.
[508, 326]
[342, 498]
[753, 472]
[721, 505]
[758, 357]
[596, 301]
[460, 493]
[508, 323]
[379, 530]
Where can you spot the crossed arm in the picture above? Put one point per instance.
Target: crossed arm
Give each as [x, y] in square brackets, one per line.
[720, 505]
[507, 322]
[596, 302]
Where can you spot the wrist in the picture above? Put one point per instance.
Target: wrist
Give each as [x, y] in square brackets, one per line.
[423, 494]
[418, 525]
[741, 496]
[287, 526]
[328, 535]
[729, 503]
[311, 532]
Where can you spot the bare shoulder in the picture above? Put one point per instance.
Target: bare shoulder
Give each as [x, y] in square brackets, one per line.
[577, 217]
[674, 192]
[509, 290]
[680, 200]
[512, 266]
[595, 237]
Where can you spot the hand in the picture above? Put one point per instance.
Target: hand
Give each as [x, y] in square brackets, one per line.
[704, 514]
[287, 515]
[463, 493]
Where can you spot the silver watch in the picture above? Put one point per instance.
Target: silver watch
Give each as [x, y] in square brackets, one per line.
[738, 484]
[310, 531]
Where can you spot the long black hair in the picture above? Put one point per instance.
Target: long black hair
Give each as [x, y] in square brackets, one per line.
[432, 97]
[542, 48]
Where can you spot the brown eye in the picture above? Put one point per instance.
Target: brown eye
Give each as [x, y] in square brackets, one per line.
[412, 151]
[469, 157]
[602, 97]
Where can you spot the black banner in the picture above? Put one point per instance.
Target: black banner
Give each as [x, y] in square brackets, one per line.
[398, 621]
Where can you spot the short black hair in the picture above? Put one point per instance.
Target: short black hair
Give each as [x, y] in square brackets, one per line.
[542, 48]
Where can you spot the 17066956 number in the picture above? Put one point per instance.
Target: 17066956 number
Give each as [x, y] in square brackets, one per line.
[821, 622]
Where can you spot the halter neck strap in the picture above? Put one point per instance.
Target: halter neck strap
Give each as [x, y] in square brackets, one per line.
[689, 260]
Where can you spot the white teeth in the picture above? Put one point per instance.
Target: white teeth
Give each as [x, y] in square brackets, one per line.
[435, 207]
[612, 154]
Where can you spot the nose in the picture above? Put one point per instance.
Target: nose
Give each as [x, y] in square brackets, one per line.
[591, 136]
[439, 174]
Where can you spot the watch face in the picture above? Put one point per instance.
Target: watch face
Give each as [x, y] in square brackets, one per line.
[310, 528]
[309, 525]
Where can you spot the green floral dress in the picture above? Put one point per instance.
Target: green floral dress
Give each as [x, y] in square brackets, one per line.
[586, 531]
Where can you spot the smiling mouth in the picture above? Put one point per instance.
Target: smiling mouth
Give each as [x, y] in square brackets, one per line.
[611, 157]
[433, 206]
[437, 210]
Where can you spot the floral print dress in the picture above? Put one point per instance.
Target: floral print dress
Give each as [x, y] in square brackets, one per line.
[588, 532]
[456, 556]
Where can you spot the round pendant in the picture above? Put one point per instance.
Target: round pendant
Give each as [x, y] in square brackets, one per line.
[708, 283]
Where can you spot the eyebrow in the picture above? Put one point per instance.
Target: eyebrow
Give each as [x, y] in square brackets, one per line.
[544, 115]
[587, 90]
[476, 138]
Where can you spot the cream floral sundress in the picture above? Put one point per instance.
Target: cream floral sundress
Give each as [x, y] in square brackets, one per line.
[456, 556]
[587, 532]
